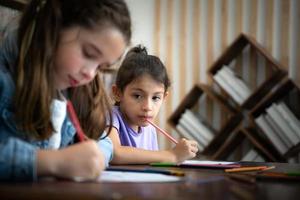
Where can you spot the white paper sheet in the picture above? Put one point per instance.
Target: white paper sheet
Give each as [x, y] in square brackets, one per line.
[207, 162]
[114, 176]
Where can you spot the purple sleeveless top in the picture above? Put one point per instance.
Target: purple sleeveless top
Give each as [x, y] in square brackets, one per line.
[146, 138]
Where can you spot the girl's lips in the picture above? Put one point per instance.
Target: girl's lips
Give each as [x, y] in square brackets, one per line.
[146, 118]
[73, 82]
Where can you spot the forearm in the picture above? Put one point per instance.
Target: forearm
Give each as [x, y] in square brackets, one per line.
[79, 160]
[46, 162]
[106, 147]
[132, 155]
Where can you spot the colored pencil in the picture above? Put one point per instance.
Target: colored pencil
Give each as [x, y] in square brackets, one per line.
[80, 134]
[268, 168]
[163, 132]
[288, 176]
[245, 169]
[217, 166]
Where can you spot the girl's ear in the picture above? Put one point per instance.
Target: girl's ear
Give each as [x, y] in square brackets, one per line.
[116, 93]
[166, 94]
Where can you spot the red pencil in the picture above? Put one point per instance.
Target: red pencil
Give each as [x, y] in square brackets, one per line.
[80, 134]
[163, 132]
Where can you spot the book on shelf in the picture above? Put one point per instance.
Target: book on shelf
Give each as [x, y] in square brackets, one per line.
[259, 158]
[281, 122]
[221, 80]
[237, 83]
[185, 134]
[187, 125]
[289, 117]
[204, 130]
[230, 80]
[253, 155]
[278, 131]
[250, 155]
[270, 133]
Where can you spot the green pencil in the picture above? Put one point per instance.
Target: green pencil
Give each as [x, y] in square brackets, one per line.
[163, 164]
[292, 173]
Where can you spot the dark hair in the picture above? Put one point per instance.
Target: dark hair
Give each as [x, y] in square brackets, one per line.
[138, 62]
[38, 38]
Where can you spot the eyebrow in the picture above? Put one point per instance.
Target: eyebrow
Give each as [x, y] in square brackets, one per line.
[141, 90]
[138, 89]
[100, 52]
[95, 48]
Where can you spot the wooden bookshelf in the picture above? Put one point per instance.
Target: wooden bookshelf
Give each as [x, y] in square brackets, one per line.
[191, 101]
[264, 146]
[285, 92]
[229, 145]
[235, 50]
[260, 144]
[240, 126]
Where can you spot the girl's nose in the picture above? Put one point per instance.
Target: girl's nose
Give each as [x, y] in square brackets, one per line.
[89, 72]
[147, 105]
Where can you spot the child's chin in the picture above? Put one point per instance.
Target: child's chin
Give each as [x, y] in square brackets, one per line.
[144, 124]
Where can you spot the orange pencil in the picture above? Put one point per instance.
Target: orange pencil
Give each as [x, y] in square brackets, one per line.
[163, 132]
[245, 169]
[268, 168]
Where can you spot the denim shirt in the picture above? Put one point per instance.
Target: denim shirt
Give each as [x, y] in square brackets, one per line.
[18, 154]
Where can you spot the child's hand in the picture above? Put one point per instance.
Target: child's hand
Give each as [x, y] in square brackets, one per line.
[185, 149]
[83, 160]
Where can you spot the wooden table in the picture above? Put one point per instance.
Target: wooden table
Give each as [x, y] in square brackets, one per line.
[197, 184]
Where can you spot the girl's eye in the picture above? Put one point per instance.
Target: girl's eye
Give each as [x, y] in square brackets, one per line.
[156, 98]
[137, 96]
[89, 54]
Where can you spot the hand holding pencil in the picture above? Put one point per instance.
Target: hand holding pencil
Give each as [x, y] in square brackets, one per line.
[184, 149]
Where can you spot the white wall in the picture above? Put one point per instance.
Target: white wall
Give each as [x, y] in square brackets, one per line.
[142, 15]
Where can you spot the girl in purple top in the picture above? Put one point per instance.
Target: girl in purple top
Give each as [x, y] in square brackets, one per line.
[141, 87]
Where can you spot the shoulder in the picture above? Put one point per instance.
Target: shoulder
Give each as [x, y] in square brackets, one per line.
[117, 119]
[116, 111]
